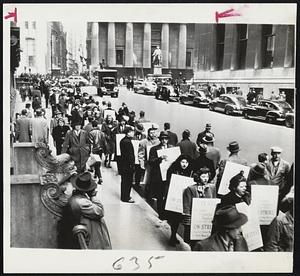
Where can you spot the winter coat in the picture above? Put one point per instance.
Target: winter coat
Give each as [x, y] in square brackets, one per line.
[23, 129]
[39, 130]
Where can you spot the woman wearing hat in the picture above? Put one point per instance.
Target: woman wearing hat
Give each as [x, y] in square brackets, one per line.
[84, 208]
[201, 189]
[59, 134]
[238, 192]
[228, 236]
[181, 166]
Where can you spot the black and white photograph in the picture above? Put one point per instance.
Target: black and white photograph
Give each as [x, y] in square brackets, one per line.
[149, 137]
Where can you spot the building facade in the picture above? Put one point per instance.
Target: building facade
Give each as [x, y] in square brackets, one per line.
[128, 47]
[246, 56]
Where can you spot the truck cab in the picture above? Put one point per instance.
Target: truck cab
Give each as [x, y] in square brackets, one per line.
[107, 83]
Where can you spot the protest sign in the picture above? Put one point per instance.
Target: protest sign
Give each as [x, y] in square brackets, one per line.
[265, 199]
[119, 137]
[177, 185]
[135, 144]
[231, 169]
[112, 113]
[251, 230]
[203, 210]
[172, 154]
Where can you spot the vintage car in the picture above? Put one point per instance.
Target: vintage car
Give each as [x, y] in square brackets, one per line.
[269, 110]
[165, 90]
[138, 87]
[230, 104]
[194, 97]
[107, 83]
[78, 80]
[289, 119]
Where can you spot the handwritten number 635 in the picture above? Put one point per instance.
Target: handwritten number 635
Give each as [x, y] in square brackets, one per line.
[119, 263]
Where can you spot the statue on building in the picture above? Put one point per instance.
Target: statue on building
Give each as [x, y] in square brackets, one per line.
[157, 57]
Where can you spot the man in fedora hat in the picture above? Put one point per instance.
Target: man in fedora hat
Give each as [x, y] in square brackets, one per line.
[84, 208]
[228, 235]
[233, 157]
[213, 153]
[127, 162]
[39, 128]
[277, 171]
[257, 175]
[77, 145]
[157, 187]
[173, 139]
[187, 147]
[203, 133]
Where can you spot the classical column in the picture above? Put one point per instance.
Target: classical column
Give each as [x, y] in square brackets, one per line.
[213, 48]
[95, 44]
[289, 48]
[182, 47]
[165, 45]
[234, 50]
[129, 45]
[111, 45]
[258, 49]
[147, 46]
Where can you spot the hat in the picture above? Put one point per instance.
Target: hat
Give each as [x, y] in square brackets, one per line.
[236, 180]
[186, 133]
[76, 122]
[163, 134]
[228, 217]
[203, 148]
[208, 125]
[38, 112]
[259, 169]
[139, 128]
[123, 104]
[233, 147]
[57, 112]
[208, 138]
[276, 149]
[84, 182]
[155, 126]
[128, 129]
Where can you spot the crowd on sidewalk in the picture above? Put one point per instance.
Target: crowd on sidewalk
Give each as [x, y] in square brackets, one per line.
[88, 131]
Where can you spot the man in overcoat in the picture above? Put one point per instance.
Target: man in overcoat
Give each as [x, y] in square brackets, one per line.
[77, 145]
[39, 128]
[23, 127]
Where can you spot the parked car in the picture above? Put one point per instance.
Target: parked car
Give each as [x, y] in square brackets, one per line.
[269, 110]
[78, 80]
[150, 87]
[107, 82]
[166, 91]
[138, 87]
[230, 104]
[289, 119]
[194, 97]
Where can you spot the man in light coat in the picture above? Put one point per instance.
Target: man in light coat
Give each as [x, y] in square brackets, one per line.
[39, 128]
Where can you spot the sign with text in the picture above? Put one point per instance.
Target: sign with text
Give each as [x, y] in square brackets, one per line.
[135, 144]
[119, 137]
[177, 185]
[251, 230]
[172, 154]
[112, 113]
[203, 211]
[265, 199]
[231, 169]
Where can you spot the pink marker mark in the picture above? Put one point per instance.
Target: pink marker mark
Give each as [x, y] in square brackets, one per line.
[227, 13]
[12, 14]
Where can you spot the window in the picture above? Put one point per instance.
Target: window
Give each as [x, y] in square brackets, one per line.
[188, 62]
[26, 24]
[220, 45]
[119, 57]
[242, 32]
[33, 25]
[31, 61]
[268, 42]
[30, 47]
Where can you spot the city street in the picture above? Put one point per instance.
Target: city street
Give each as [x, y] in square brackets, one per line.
[253, 136]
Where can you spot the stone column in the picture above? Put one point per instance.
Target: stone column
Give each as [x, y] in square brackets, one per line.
[213, 48]
[182, 47]
[111, 45]
[129, 45]
[258, 49]
[289, 48]
[147, 46]
[95, 44]
[234, 50]
[165, 45]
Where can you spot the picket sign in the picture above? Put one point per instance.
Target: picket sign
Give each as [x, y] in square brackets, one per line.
[112, 113]
[135, 144]
[119, 137]
[203, 210]
[177, 185]
[231, 169]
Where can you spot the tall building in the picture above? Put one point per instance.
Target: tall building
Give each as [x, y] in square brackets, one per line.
[246, 56]
[33, 43]
[128, 47]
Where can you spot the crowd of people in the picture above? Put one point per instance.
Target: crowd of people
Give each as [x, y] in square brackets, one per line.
[87, 130]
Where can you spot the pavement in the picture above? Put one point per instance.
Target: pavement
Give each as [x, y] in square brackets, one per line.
[132, 226]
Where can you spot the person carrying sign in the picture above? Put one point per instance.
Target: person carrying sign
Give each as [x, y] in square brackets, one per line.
[201, 189]
[181, 166]
[228, 236]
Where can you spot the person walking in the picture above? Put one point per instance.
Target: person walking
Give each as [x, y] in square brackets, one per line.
[39, 128]
[173, 136]
[59, 134]
[188, 147]
[22, 130]
[202, 134]
[213, 153]
[127, 164]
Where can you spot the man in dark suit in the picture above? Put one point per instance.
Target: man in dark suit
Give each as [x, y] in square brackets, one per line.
[23, 128]
[173, 139]
[127, 163]
[202, 134]
[228, 236]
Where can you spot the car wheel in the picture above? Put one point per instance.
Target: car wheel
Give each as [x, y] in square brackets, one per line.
[228, 111]
[270, 120]
[246, 115]
[288, 123]
[211, 108]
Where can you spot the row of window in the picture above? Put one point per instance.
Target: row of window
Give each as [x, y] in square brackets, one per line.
[33, 24]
